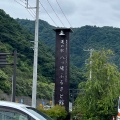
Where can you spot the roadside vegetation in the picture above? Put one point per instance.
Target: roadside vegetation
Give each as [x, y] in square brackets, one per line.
[98, 101]
[57, 112]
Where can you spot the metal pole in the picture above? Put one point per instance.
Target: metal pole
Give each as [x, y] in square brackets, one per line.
[53, 98]
[91, 51]
[73, 97]
[12, 88]
[14, 76]
[34, 88]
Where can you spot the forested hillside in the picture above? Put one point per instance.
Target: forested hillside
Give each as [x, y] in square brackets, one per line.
[97, 38]
[17, 34]
[13, 36]
[46, 33]
[83, 38]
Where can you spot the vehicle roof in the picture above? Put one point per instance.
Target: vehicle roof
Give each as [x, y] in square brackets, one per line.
[18, 106]
[12, 104]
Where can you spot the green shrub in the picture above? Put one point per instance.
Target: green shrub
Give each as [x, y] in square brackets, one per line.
[57, 112]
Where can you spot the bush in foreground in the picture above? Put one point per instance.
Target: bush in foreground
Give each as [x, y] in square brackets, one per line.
[57, 112]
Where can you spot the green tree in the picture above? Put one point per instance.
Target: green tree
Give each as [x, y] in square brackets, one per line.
[97, 100]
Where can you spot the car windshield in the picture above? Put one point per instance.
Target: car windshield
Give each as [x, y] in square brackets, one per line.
[38, 114]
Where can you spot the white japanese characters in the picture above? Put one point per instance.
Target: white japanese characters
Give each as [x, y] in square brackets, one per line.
[63, 69]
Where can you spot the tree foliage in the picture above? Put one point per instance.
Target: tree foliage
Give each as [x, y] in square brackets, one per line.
[13, 36]
[98, 99]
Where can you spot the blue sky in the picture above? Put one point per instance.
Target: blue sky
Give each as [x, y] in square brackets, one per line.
[78, 12]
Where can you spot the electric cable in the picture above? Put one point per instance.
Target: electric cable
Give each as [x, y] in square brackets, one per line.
[19, 3]
[48, 13]
[32, 15]
[31, 9]
[63, 13]
[56, 13]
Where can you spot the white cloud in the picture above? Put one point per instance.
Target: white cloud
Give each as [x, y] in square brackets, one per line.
[78, 12]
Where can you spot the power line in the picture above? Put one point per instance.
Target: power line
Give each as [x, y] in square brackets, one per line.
[19, 3]
[31, 9]
[21, 0]
[56, 13]
[48, 13]
[31, 12]
[63, 13]
[33, 16]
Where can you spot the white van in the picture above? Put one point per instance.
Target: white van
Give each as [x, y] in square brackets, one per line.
[16, 111]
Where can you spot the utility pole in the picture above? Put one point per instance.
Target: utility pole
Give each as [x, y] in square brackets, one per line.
[3, 63]
[14, 77]
[34, 88]
[91, 52]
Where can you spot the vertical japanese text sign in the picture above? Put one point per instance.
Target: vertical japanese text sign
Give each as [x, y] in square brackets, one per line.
[62, 67]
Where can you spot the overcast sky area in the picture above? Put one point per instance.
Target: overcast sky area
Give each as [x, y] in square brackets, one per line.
[78, 12]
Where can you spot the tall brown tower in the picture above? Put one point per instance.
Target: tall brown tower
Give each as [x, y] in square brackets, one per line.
[62, 67]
